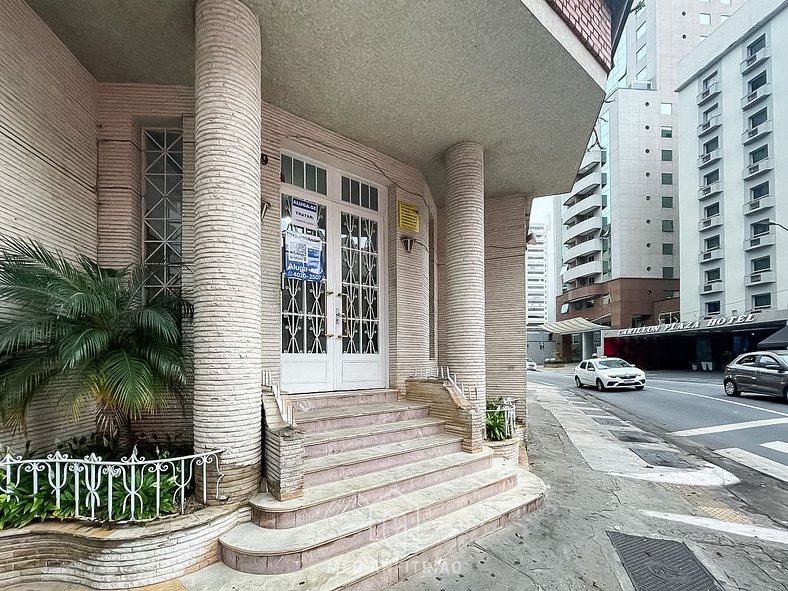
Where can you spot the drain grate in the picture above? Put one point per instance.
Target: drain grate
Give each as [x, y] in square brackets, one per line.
[661, 457]
[659, 565]
[610, 422]
[634, 437]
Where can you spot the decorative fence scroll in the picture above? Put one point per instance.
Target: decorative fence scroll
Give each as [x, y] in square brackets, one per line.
[130, 490]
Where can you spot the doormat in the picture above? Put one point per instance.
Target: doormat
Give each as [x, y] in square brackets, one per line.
[661, 457]
[661, 565]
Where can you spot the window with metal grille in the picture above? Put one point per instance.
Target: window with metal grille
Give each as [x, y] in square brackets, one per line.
[303, 174]
[162, 221]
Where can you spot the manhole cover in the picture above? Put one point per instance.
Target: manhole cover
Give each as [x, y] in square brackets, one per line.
[661, 565]
[611, 421]
[661, 457]
[634, 437]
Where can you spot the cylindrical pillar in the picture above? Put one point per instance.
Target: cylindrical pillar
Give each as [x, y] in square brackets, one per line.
[227, 266]
[465, 311]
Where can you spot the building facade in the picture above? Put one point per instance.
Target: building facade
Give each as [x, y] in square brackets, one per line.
[620, 232]
[340, 213]
[539, 297]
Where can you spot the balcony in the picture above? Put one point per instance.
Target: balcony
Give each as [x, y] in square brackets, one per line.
[756, 96]
[760, 278]
[707, 256]
[582, 207]
[757, 133]
[712, 90]
[592, 159]
[712, 287]
[580, 271]
[760, 241]
[709, 157]
[588, 226]
[759, 205]
[583, 249]
[709, 190]
[587, 184]
[759, 167]
[712, 123]
[750, 62]
[713, 221]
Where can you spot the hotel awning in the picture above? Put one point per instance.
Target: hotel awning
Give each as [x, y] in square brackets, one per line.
[778, 340]
[572, 326]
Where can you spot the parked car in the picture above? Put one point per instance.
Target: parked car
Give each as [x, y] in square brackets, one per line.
[763, 372]
[609, 372]
[530, 364]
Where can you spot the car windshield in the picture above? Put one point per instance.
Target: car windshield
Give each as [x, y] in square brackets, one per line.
[784, 357]
[612, 364]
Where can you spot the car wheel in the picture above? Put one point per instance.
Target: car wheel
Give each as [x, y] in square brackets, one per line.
[600, 386]
[785, 395]
[578, 382]
[731, 389]
[639, 387]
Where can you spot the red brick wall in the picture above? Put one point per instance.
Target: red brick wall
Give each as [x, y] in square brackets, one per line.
[590, 20]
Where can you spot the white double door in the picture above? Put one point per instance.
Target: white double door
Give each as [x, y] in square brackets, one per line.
[333, 331]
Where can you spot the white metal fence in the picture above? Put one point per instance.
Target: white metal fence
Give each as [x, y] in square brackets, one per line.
[131, 489]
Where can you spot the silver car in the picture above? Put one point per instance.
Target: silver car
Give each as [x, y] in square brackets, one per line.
[763, 372]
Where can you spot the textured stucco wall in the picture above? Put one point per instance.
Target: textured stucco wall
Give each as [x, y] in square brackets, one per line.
[504, 268]
[47, 165]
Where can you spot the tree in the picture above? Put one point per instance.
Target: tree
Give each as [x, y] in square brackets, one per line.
[76, 331]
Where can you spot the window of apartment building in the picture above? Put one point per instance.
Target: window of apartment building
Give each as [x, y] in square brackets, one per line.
[713, 307]
[640, 32]
[640, 54]
[701, 38]
[761, 264]
[756, 45]
[713, 275]
[709, 80]
[357, 193]
[724, 17]
[667, 248]
[666, 108]
[667, 225]
[759, 154]
[711, 210]
[666, 131]
[564, 308]
[667, 178]
[667, 201]
[759, 191]
[639, 8]
[759, 228]
[642, 74]
[760, 117]
[711, 242]
[757, 82]
[577, 305]
[711, 145]
[711, 177]
[303, 174]
[705, 18]
[606, 299]
[667, 155]
[762, 300]
[710, 112]
[725, 1]
[667, 272]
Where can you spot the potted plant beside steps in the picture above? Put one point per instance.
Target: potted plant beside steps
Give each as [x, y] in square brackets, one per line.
[501, 433]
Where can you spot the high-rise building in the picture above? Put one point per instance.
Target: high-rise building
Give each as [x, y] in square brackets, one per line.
[536, 273]
[619, 222]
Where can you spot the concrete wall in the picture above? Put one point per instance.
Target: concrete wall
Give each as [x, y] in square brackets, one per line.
[47, 165]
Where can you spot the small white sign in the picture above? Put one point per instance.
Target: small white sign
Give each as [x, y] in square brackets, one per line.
[304, 214]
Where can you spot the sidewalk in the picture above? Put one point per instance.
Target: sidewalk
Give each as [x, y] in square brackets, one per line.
[566, 546]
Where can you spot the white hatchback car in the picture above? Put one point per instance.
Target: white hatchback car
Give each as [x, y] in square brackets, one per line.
[609, 372]
[530, 364]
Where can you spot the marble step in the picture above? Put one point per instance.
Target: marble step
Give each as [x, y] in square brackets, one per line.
[349, 464]
[331, 442]
[383, 563]
[347, 417]
[334, 498]
[251, 549]
[317, 400]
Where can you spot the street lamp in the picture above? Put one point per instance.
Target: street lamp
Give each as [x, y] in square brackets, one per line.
[773, 223]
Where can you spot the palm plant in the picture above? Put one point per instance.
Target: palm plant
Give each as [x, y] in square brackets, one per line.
[76, 332]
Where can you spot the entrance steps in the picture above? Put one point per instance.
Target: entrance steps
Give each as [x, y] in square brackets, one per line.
[384, 485]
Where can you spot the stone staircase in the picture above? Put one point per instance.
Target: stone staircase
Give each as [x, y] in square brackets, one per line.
[386, 492]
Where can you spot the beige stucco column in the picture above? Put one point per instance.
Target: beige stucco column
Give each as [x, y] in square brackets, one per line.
[465, 332]
[227, 289]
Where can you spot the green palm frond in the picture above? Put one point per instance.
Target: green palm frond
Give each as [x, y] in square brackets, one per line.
[78, 331]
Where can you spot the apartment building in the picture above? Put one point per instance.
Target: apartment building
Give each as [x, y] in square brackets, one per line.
[620, 221]
[536, 273]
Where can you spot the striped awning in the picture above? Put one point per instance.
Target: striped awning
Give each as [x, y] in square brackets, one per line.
[572, 326]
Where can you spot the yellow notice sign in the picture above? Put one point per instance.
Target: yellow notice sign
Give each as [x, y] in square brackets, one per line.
[408, 216]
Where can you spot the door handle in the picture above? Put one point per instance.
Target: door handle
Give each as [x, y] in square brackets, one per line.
[345, 307]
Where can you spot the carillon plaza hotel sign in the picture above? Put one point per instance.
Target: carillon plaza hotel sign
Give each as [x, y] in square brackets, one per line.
[682, 326]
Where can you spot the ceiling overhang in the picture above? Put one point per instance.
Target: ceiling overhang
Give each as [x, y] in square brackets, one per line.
[408, 79]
